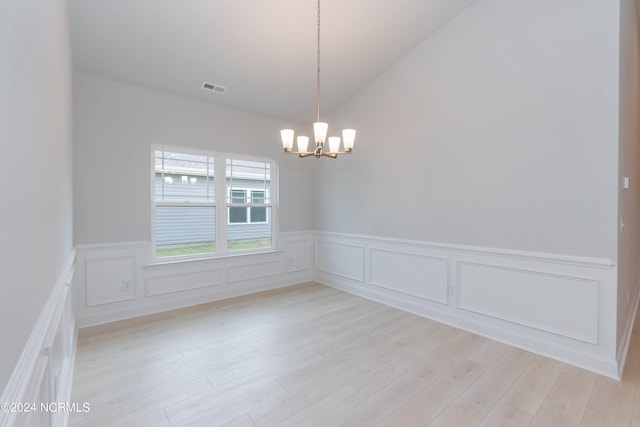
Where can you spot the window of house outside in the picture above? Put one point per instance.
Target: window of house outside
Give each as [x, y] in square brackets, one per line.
[191, 220]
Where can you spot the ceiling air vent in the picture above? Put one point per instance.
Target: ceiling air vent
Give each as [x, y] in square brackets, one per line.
[214, 87]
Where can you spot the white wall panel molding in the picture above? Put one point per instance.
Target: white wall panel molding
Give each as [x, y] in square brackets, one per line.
[406, 244]
[118, 281]
[241, 273]
[110, 279]
[555, 305]
[44, 372]
[341, 259]
[179, 282]
[299, 254]
[532, 298]
[422, 276]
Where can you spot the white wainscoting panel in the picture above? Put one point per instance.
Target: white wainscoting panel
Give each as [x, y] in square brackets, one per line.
[104, 295]
[44, 372]
[340, 259]
[253, 271]
[167, 284]
[531, 298]
[559, 306]
[299, 255]
[110, 280]
[421, 276]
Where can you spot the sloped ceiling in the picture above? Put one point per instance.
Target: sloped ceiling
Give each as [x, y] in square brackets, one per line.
[264, 52]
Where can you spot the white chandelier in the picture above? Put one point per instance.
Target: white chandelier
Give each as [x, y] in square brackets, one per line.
[319, 128]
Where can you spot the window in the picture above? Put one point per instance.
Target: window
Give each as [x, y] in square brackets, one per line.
[247, 214]
[189, 221]
[185, 208]
[249, 205]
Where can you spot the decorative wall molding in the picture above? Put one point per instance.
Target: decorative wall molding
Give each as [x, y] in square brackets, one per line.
[44, 372]
[259, 270]
[602, 263]
[480, 285]
[422, 276]
[550, 304]
[180, 282]
[110, 280]
[143, 287]
[555, 305]
[341, 259]
[299, 253]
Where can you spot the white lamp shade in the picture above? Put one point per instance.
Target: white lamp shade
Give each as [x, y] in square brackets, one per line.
[287, 138]
[348, 137]
[334, 144]
[303, 143]
[320, 131]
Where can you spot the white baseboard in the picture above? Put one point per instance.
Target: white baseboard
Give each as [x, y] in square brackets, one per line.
[44, 371]
[554, 305]
[623, 345]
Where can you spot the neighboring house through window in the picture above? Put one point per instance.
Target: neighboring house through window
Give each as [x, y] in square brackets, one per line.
[248, 214]
[190, 219]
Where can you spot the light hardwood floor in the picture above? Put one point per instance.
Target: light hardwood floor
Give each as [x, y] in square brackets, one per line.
[311, 355]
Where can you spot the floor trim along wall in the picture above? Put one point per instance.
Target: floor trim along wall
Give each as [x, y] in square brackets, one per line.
[44, 373]
[623, 346]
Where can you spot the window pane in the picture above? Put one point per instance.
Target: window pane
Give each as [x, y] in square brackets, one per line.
[185, 230]
[238, 196]
[183, 177]
[243, 174]
[257, 196]
[254, 235]
[258, 214]
[237, 215]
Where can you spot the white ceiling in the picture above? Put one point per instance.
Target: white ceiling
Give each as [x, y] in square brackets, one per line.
[263, 51]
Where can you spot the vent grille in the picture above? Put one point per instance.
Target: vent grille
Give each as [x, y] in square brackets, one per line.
[214, 87]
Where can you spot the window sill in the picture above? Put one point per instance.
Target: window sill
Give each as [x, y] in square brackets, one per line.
[208, 259]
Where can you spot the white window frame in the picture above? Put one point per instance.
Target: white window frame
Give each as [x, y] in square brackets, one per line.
[221, 205]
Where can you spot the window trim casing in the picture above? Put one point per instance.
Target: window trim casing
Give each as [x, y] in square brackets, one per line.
[221, 205]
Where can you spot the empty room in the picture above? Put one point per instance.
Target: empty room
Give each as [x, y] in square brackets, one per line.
[320, 213]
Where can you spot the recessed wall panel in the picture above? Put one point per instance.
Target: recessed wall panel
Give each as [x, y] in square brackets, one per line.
[182, 282]
[417, 275]
[110, 280]
[340, 259]
[253, 271]
[561, 304]
[298, 256]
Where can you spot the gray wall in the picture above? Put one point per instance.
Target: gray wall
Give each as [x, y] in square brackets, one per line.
[35, 142]
[629, 158]
[115, 126]
[499, 131]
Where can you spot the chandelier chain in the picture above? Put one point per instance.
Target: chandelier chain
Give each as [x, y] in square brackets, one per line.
[318, 70]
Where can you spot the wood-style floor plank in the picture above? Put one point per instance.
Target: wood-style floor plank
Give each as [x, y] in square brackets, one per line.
[311, 355]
